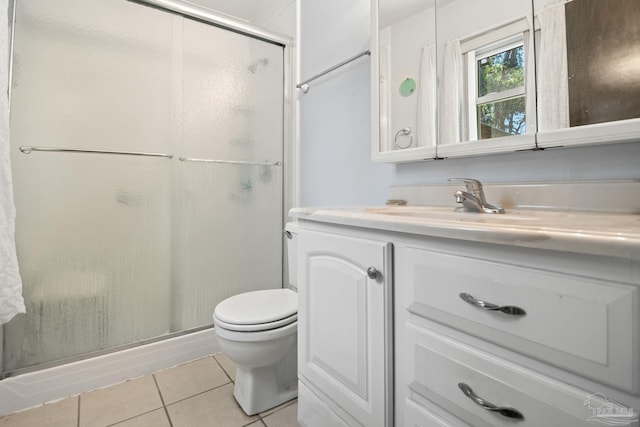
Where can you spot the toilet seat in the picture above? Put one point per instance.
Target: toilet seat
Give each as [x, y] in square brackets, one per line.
[258, 327]
[255, 336]
[257, 310]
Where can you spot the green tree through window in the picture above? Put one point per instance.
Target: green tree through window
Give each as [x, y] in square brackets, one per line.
[501, 75]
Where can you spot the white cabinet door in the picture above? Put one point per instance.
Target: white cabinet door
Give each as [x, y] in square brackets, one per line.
[344, 323]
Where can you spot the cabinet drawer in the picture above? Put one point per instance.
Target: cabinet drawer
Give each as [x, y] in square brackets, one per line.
[418, 416]
[440, 364]
[583, 325]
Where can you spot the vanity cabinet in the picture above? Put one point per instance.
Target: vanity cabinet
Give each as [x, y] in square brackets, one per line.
[344, 329]
[549, 337]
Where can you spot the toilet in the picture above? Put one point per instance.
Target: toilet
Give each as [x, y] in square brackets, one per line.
[258, 332]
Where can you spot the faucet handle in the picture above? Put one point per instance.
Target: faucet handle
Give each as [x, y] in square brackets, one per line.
[473, 185]
[473, 199]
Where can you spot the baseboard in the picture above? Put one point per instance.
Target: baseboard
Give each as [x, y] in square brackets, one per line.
[35, 388]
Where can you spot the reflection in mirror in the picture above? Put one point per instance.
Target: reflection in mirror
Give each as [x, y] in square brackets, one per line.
[485, 72]
[589, 62]
[407, 79]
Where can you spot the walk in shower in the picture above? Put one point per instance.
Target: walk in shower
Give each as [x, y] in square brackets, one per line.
[147, 154]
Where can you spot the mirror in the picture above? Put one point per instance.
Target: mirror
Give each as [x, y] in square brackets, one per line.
[485, 68]
[404, 79]
[588, 71]
[480, 65]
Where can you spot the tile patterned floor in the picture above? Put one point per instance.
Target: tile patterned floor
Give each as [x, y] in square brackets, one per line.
[196, 394]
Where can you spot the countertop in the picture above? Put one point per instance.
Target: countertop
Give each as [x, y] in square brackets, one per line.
[604, 234]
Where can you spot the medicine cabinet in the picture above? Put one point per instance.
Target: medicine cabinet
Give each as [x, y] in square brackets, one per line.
[455, 78]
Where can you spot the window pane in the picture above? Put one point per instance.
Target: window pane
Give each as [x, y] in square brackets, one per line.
[502, 71]
[502, 118]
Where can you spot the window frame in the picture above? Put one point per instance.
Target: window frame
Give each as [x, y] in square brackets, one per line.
[482, 46]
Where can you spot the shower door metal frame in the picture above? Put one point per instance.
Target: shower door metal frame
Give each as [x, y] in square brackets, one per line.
[290, 171]
[289, 195]
[189, 10]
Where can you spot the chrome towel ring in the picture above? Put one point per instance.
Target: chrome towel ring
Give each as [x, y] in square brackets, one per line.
[403, 132]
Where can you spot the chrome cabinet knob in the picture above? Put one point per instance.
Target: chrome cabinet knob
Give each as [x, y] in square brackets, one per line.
[372, 272]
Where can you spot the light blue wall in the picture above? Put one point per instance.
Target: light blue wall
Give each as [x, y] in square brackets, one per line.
[335, 131]
[335, 127]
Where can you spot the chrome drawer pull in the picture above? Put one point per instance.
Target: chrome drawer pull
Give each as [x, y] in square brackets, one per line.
[504, 411]
[507, 309]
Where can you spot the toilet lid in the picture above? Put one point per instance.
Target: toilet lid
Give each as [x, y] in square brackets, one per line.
[257, 307]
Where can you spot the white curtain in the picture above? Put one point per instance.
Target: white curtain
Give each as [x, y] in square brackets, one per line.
[426, 132]
[11, 302]
[530, 81]
[553, 90]
[450, 106]
[385, 96]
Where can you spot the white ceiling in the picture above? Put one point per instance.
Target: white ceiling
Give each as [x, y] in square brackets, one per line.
[392, 11]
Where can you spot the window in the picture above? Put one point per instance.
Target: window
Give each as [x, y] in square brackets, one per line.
[497, 105]
[496, 75]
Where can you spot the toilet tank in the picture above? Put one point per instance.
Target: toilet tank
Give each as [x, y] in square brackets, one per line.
[291, 232]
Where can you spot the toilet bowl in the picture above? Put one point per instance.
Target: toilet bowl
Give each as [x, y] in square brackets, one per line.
[258, 332]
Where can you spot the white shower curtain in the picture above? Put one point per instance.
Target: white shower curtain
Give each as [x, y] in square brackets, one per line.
[11, 302]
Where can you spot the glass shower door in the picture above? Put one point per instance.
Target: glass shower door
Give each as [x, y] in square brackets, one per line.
[231, 239]
[115, 249]
[92, 230]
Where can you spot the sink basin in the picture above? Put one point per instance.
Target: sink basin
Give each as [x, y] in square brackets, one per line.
[577, 231]
[451, 214]
[534, 218]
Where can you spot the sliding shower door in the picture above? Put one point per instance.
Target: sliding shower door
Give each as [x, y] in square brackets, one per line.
[231, 229]
[120, 248]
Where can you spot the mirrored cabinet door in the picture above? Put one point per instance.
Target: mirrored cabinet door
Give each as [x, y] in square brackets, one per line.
[588, 69]
[404, 80]
[485, 68]
[453, 78]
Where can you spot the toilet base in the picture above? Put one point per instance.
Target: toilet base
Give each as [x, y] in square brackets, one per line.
[262, 388]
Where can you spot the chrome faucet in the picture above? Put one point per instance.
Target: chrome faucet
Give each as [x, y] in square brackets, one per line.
[473, 199]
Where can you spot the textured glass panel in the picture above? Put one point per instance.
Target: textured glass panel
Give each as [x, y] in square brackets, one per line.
[93, 246]
[93, 230]
[99, 71]
[116, 249]
[232, 238]
[232, 218]
[502, 118]
[232, 95]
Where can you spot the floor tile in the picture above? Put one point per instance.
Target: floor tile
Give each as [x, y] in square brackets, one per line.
[285, 417]
[277, 408]
[157, 418]
[58, 414]
[190, 379]
[212, 408]
[227, 365]
[120, 402]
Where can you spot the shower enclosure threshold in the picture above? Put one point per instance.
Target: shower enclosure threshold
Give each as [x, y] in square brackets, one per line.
[84, 356]
[19, 392]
